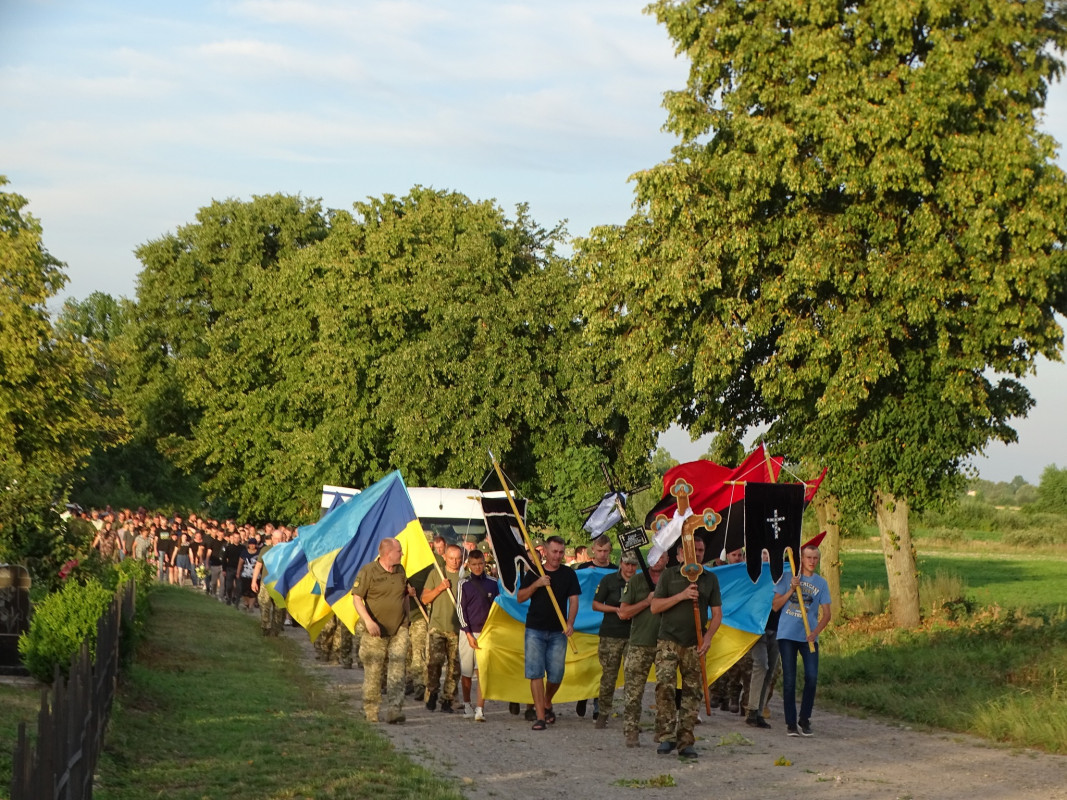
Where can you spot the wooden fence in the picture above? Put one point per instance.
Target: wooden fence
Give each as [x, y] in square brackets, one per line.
[70, 725]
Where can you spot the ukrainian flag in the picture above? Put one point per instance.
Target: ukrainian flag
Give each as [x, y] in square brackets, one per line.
[293, 587]
[347, 538]
[501, 649]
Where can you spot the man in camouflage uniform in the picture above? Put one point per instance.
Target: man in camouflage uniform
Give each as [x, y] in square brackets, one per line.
[730, 691]
[614, 633]
[270, 616]
[418, 631]
[443, 630]
[325, 648]
[380, 595]
[677, 650]
[641, 651]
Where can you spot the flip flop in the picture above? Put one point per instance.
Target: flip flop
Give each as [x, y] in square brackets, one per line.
[550, 716]
[539, 725]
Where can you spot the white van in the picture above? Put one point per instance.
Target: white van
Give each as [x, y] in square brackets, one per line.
[455, 514]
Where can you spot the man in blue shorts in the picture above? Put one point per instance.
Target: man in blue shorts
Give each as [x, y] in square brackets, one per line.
[546, 638]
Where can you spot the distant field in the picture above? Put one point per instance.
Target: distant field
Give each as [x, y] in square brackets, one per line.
[1032, 582]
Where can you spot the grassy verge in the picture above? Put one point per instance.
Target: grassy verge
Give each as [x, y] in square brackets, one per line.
[997, 675]
[997, 672]
[211, 709]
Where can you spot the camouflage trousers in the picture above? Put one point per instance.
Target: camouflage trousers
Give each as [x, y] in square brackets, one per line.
[639, 660]
[611, 652]
[324, 650]
[417, 632]
[344, 641]
[443, 657]
[672, 658]
[270, 616]
[738, 678]
[383, 654]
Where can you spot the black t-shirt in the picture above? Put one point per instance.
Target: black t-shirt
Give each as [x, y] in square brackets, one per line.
[542, 616]
[213, 547]
[231, 553]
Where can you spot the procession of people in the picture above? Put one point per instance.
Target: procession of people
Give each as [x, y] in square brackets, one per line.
[418, 636]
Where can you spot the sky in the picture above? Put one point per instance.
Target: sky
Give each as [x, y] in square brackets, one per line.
[119, 120]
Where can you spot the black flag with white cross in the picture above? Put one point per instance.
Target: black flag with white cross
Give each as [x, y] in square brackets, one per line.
[773, 516]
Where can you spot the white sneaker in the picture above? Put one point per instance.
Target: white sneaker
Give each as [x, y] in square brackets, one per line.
[468, 711]
[478, 715]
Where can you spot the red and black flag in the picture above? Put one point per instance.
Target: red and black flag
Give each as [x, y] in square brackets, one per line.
[505, 537]
[774, 513]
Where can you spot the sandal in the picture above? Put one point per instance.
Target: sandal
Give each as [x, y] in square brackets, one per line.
[539, 725]
[550, 716]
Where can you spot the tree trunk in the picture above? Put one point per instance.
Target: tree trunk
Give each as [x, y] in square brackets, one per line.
[828, 513]
[892, 514]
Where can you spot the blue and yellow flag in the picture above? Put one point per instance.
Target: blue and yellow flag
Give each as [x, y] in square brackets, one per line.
[293, 587]
[347, 538]
[502, 642]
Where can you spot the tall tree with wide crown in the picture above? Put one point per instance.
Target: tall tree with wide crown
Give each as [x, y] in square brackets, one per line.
[858, 240]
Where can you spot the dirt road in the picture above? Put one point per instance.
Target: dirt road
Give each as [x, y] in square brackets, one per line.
[848, 758]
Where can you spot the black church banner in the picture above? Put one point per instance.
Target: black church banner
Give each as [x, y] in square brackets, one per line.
[774, 513]
[505, 537]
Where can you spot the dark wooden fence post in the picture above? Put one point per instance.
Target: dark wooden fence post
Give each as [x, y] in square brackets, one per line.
[72, 722]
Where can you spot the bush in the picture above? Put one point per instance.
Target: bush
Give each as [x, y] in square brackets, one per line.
[60, 623]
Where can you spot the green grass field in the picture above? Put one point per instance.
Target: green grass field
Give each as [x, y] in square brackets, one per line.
[1036, 583]
[212, 709]
[996, 673]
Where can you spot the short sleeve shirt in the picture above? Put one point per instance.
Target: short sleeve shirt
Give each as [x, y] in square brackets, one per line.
[676, 623]
[644, 628]
[816, 592]
[541, 616]
[609, 592]
[383, 593]
[443, 615]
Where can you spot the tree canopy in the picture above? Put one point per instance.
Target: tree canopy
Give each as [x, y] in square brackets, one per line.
[858, 238]
[51, 413]
[416, 333]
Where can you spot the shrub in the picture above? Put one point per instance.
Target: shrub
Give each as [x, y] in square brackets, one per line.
[60, 623]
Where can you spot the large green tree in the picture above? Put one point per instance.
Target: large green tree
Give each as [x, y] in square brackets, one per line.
[50, 412]
[858, 239]
[416, 333]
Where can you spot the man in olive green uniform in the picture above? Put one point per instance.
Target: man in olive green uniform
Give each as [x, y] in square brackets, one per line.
[614, 633]
[418, 631]
[677, 650]
[439, 594]
[641, 650]
[381, 599]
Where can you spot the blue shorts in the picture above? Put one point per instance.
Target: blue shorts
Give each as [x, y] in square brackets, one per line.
[546, 652]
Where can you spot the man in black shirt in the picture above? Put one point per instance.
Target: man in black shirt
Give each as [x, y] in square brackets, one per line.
[546, 638]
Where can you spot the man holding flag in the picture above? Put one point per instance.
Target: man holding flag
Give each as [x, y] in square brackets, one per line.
[546, 639]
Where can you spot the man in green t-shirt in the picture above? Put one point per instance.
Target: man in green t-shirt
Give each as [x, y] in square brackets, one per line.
[641, 650]
[443, 630]
[678, 649]
[614, 633]
[380, 596]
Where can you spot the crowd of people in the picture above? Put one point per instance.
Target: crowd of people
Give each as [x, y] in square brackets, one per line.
[418, 635]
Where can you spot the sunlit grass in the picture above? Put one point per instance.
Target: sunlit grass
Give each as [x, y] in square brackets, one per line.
[211, 709]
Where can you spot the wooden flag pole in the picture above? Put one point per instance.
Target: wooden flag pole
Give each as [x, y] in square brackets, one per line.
[441, 574]
[529, 546]
[800, 600]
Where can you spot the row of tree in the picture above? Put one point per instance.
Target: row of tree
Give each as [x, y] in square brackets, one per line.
[856, 246]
